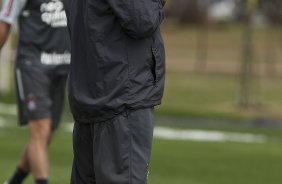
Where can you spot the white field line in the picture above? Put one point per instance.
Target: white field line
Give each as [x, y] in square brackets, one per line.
[9, 109]
[212, 136]
[199, 135]
[68, 127]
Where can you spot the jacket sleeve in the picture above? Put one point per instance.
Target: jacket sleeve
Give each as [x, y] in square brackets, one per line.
[138, 18]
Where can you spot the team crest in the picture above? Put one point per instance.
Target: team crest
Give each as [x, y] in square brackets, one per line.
[31, 104]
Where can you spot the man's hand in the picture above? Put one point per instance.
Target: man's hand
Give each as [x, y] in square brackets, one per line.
[4, 33]
[138, 18]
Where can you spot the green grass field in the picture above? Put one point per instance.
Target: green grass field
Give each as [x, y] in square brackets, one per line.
[173, 161]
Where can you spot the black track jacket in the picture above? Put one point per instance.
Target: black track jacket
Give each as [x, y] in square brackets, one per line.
[117, 57]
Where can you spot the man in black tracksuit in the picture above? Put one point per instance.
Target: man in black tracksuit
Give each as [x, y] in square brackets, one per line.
[117, 77]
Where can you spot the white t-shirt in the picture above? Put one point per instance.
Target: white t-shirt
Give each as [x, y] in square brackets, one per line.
[11, 9]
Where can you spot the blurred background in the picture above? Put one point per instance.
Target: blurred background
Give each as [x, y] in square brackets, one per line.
[221, 117]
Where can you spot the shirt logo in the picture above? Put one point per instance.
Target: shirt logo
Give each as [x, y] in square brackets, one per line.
[55, 59]
[53, 13]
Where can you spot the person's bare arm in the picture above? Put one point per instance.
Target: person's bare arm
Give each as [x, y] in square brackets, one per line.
[4, 32]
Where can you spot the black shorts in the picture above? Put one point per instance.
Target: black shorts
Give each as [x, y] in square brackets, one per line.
[40, 95]
[117, 151]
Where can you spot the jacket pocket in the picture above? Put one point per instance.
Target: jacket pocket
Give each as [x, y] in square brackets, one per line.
[157, 64]
[153, 65]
